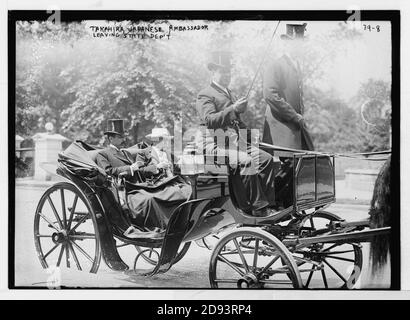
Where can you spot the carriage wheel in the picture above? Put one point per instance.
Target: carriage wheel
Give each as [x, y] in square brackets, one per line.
[327, 265]
[65, 229]
[259, 261]
[151, 255]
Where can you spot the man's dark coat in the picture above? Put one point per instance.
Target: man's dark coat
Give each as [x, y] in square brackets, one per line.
[115, 161]
[283, 93]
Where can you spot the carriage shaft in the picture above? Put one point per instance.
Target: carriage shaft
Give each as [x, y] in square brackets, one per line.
[363, 236]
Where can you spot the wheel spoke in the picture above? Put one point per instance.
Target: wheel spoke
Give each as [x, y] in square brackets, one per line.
[51, 250]
[331, 247]
[78, 223]
[229, 263]
[324, 278]
[309, 277]
[268, 265]
[335, 252]
[67, 255]
[255, 257]
[49, 222]
[245, 264]
[63, 208]
[74, 256]
[43, 235]
[335, 271]
[70, 219]
[150, 253]
[340, 258]
[82, 251]
[55, 212]
[60, 255]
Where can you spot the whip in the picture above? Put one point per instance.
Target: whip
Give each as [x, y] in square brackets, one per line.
[262, 61]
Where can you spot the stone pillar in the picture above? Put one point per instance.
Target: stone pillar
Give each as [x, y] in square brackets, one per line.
[47, 147]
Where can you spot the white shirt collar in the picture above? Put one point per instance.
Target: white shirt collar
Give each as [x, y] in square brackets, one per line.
[220, 87]
[112, 146]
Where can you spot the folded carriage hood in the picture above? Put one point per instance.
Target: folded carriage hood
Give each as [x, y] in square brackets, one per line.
[81, 155]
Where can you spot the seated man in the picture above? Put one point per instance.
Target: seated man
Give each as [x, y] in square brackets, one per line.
[254, 188]
[154, 195]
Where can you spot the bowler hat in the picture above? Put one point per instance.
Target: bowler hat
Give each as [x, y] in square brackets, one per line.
[294, 31]
[220, 59]
[115, 126]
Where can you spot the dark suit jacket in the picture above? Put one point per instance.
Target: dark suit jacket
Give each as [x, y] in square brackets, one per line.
[115, 162]
[283, 93]
[215, 108]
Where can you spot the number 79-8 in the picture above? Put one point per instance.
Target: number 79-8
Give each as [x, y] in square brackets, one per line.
[368, 27]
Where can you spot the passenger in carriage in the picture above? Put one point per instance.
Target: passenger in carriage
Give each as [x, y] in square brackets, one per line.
[218, 108]
[155, 192]
[161, 148]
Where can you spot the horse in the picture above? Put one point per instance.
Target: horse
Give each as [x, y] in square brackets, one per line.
[380, 216]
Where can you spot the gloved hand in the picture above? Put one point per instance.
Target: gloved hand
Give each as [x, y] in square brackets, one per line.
[302, 123]
[240, 105]
[135, 166]
[163, 165]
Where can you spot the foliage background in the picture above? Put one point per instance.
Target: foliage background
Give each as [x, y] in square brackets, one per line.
[66, 76]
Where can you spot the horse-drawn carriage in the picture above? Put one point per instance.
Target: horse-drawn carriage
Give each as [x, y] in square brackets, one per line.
[80, 220]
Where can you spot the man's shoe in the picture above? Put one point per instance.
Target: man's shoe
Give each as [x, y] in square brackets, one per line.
[134, 233]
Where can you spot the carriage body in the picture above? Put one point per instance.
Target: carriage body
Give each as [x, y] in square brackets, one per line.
[211, 210]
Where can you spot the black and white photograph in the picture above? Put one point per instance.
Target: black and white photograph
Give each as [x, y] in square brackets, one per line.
[204, 150]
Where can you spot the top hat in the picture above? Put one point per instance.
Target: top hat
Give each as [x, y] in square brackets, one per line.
[220, 59]
[159, 133]
[115, 126]
[294, 31]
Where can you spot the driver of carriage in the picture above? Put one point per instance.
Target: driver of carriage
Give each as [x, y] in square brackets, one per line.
[219, 109]
[157, 191]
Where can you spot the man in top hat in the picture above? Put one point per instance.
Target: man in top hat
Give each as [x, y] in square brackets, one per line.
[156, 195]
[116, 161]
[283, 92]
[284, 123]
[218, 108]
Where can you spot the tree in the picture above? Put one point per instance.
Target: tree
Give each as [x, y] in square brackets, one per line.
[334, 126]
[42, 62]
[67, 76]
